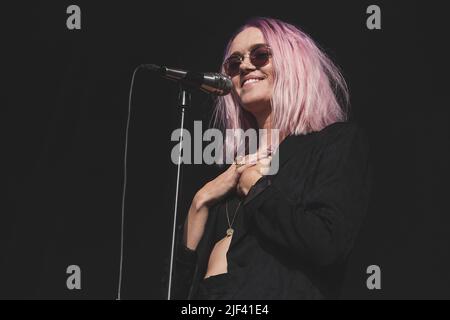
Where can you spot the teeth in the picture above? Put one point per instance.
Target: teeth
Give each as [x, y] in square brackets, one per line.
[251, 80]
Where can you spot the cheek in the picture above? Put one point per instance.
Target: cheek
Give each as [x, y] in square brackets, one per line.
[236, 85]
[271, 85]
[266, 88]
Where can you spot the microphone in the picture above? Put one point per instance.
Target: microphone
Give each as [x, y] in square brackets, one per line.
[210, 82]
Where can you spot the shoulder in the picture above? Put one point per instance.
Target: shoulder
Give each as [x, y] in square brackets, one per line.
[340, 128]
[341, 133]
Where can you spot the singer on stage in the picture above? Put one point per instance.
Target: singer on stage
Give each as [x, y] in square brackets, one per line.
[248, 235]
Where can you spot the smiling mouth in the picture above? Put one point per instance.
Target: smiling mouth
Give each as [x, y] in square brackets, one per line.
[251, 80]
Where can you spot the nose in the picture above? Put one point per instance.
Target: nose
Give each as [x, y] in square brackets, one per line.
[246, 64]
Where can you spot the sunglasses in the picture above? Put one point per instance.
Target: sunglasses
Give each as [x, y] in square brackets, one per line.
[259, 57]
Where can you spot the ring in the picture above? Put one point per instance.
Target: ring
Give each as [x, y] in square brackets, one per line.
[238, 165]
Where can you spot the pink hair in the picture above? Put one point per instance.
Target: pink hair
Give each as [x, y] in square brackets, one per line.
[309, 91]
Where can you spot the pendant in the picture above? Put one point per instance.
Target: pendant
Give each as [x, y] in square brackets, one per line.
[230, 232]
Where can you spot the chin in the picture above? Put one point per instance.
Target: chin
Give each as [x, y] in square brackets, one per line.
[254, 96]
[255, 105]
[253, 99]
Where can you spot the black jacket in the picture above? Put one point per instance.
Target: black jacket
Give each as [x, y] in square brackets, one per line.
[296, 228]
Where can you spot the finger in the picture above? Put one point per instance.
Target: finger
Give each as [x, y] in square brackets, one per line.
[239, 159]
[263, 153]
[243, 167]
[263, 170]
[250, 158]
[265, 161]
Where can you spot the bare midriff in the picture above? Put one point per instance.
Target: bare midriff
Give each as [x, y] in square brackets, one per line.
[218, 263]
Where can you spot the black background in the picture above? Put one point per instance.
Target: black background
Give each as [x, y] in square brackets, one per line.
[66, 95]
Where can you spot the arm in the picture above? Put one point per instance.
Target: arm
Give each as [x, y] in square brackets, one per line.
[205, 198]
[194, 227]
[194, 224]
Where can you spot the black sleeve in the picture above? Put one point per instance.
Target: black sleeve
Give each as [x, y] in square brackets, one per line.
[321, 227]
[185, 262]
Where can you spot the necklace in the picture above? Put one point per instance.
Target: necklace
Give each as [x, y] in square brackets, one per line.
[230, 230]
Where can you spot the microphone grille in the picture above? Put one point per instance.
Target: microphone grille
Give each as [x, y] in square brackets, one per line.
[225, 83]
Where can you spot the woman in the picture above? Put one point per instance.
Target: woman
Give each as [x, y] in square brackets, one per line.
[284, 236]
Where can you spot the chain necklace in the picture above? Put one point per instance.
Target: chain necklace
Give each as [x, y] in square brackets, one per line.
[230, 230]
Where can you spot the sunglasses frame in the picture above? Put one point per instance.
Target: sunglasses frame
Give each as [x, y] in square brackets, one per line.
[242, 57]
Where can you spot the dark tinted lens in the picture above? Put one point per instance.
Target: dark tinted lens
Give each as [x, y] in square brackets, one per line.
[260, 56]
[232, 66]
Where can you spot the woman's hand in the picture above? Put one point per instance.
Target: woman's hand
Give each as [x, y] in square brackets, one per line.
[213, 191]
[216, 189]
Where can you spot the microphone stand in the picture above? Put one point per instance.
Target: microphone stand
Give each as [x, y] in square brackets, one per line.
[184, 101]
